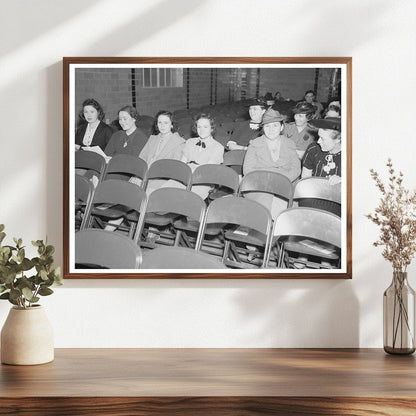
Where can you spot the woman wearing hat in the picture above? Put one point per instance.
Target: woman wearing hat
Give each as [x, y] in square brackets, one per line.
[272, 151]
[246, 131]
[324, 157]
[299, 131]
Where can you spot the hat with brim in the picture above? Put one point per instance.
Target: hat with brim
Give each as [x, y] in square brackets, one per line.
[272, 116]
[329, 123]
[304, 108]
[257, 101]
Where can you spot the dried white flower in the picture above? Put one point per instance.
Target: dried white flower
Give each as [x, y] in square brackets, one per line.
[396, 216]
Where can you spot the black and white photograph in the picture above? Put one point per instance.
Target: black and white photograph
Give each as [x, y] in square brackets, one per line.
[210, 167]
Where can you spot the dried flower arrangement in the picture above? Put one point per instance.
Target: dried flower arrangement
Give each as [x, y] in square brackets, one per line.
[396, 216]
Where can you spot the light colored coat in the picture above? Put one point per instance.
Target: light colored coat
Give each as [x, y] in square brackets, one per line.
[258, 157]
[172, 149]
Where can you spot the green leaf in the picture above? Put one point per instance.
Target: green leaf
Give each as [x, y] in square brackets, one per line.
[15, 294]
[2, 236]
[27, 293]
[43, 274]
[8, 277]
[2, 227]
[5, 295]
[21, 255]
[57, 276]
[45, 291]
[2, 288]
[24, 282]
[26, 264]
[18, 242]
[49, 250]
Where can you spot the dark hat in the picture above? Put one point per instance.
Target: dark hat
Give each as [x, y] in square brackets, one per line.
[268, 96]
[303, 108]
[257, 101]
[329, 123]
[272, 116]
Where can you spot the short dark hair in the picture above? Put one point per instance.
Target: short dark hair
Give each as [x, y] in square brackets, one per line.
[163, 113]
[93, 103]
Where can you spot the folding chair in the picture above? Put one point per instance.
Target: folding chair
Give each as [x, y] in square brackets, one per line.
[267, 182]
[105, 249]
[170, 169]
[84, 191]
[124, 167]
[245, 223]
[224, 180]
[235, 160]
[114, 199]
[316, 192]
[179, 258]
[167, 207]
[308, 238]
[90, 162]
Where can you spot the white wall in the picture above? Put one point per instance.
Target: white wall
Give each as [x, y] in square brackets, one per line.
[35, 35]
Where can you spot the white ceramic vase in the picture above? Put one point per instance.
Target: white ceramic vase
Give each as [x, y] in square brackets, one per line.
[27, 337]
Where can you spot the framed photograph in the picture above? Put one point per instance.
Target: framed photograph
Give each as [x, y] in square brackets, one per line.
[207, 167]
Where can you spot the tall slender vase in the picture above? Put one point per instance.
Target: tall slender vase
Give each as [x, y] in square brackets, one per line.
[399, 316]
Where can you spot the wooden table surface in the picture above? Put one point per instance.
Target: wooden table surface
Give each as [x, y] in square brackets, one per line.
[212, 382]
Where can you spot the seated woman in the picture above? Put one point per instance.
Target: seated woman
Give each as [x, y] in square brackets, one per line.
[129, 140]
[324, 158]
[246, 131]
[93, 131]
[275, 152]
[202, 150]
[165, 144]
[299, 131]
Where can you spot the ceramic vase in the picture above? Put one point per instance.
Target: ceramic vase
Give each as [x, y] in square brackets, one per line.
[399, 316]
[27, 337]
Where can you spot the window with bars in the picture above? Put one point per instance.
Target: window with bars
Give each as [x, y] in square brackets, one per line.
[162, 77]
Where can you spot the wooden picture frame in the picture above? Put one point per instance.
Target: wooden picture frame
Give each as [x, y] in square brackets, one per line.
[176, 83]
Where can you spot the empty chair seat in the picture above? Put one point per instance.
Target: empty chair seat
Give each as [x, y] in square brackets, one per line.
[114, 199]
[245, 225]
[179, 258]
[105, 249]
[317, 192]
[235, 160]
[163, 170]
[91, 162]
[308, 238]
[125, 167]
[222, 179]
[166, 206]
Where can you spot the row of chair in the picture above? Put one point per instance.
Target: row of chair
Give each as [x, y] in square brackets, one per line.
[224, 178]
[180, 217]
[311, 232]
[128, 166]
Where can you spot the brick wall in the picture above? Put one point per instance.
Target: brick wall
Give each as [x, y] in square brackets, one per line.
[112, 87]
